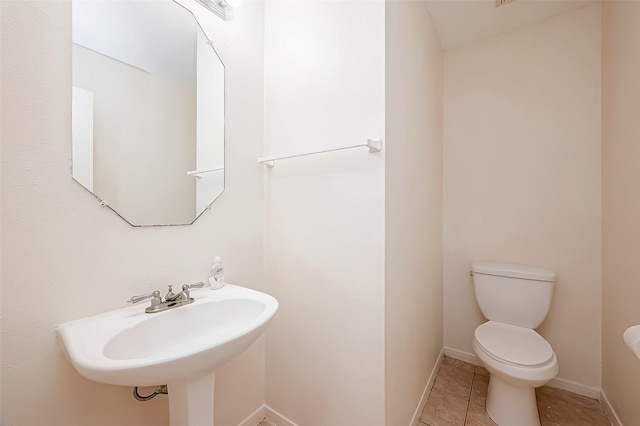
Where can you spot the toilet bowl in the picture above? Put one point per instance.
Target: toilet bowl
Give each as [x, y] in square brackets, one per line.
[518, 360]
[515, 299]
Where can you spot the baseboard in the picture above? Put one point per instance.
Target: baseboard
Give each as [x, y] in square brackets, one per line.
[462, 356]
[268, 414]
[575, 387]
[568, 385]
[613, 416]
[427, 389]
[276, 419]
[255, 418]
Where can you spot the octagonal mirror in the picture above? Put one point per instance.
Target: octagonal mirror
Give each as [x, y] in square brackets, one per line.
[148, 110]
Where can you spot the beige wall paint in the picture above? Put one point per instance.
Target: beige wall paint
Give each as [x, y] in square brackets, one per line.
[413, 206]
[620, 204]
[522, 177]
[324, 214]
[64, 257]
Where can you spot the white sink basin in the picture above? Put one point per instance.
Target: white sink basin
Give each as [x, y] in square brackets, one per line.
[132, 348]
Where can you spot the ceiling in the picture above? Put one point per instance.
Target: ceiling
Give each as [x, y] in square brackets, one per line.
[461, 22]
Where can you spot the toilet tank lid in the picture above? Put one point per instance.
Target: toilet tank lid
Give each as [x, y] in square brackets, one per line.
[513, 271]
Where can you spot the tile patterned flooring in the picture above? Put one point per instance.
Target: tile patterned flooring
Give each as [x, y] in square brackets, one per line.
[459, 395]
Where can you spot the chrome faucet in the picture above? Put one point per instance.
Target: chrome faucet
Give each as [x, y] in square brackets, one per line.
[171, 299]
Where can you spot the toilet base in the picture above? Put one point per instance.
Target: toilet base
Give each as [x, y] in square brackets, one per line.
[510, 405]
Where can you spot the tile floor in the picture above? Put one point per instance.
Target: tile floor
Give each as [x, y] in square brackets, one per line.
[459, 394]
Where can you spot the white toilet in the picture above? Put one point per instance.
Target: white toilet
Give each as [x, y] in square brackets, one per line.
[515, 299]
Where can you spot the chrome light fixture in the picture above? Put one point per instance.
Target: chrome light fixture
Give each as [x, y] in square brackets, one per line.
[220, 8]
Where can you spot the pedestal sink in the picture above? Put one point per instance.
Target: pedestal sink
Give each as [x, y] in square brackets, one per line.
[180, 347]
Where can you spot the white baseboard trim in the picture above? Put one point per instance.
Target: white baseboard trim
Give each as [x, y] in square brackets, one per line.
[613, 416]
[276, 419]
[255, 418]
[427, 389]
[462, 356]
[564, 384]
[575, 387]
[272, 417]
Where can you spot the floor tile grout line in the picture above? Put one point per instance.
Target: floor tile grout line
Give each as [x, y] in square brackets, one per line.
[466, 414]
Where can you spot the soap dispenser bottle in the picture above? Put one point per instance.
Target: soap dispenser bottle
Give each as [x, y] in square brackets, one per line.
[216, 276]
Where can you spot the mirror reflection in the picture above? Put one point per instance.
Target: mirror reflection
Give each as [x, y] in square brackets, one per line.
[148, 110]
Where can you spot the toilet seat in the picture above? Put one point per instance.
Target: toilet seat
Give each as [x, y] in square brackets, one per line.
[513, 345]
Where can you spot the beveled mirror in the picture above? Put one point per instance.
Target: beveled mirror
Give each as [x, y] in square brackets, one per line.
[147, 110]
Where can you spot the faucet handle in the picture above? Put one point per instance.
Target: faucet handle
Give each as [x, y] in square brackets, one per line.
[140, 298]
[186, 297]
[194, 285]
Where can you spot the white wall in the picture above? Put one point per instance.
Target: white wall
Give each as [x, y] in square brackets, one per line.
[63, 257]
[522, 177]
[621, 204]
[324, 214]
[413, 207]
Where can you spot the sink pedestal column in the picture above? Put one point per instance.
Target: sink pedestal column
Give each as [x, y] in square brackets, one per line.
[191, 401]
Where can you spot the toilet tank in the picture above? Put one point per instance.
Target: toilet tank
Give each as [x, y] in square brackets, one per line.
[513, 294]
